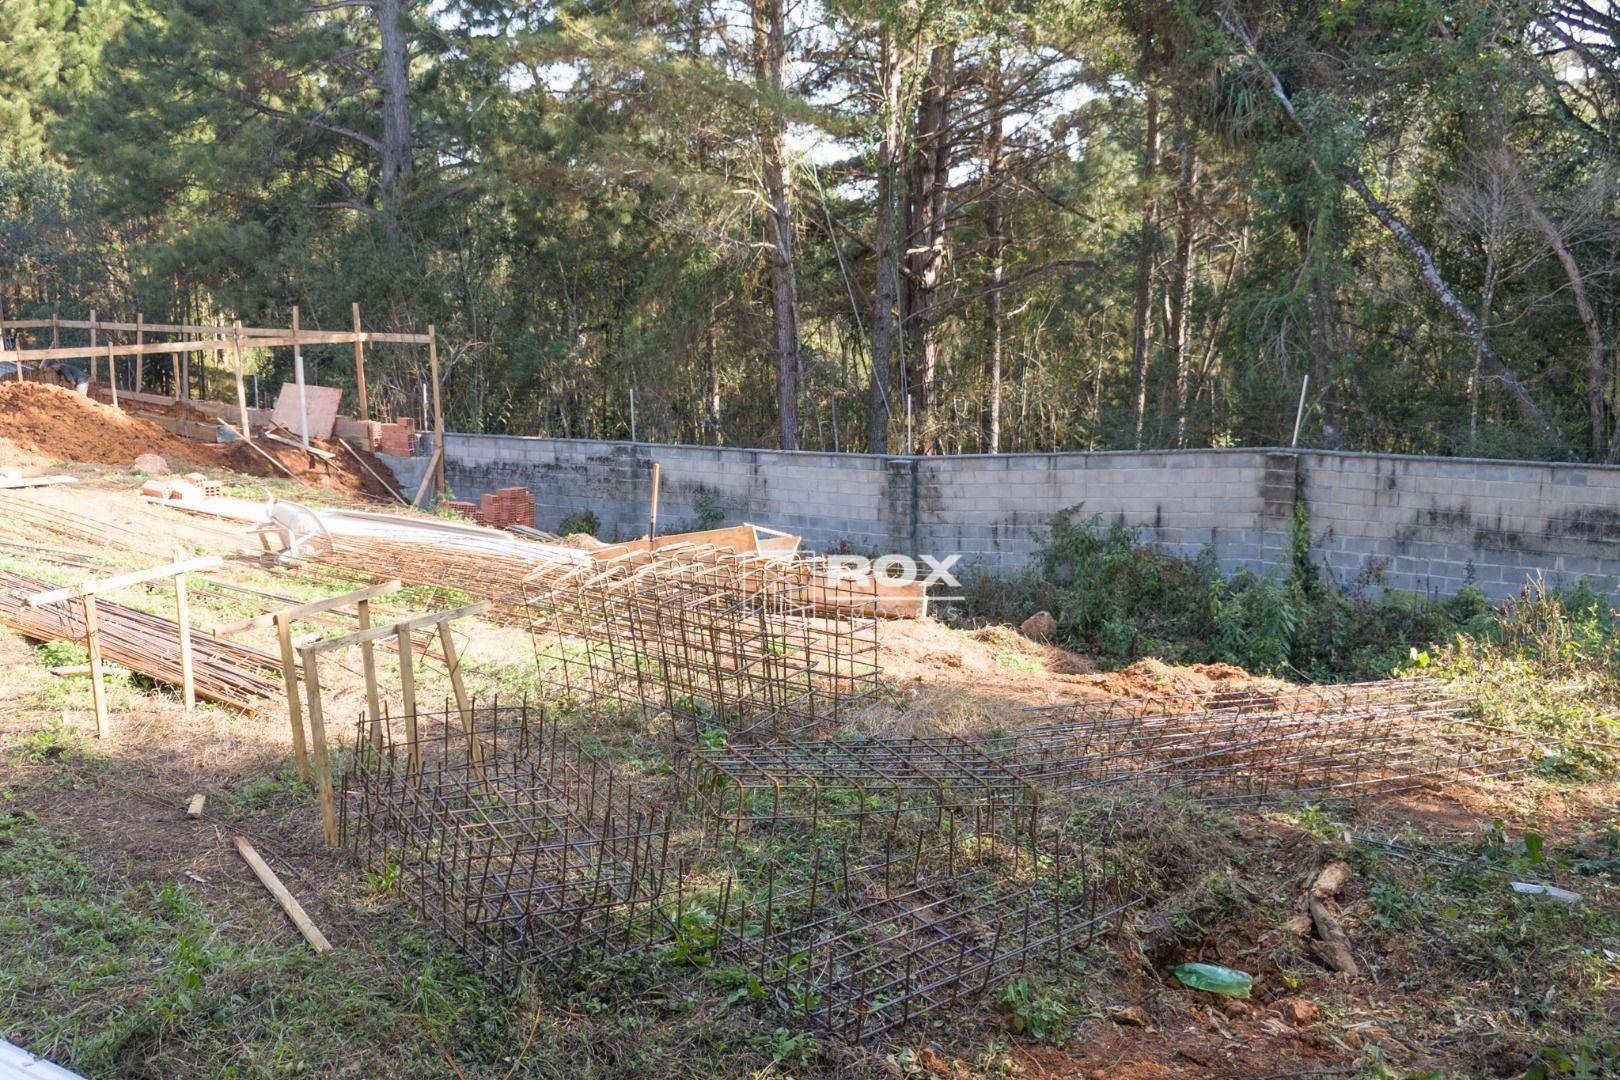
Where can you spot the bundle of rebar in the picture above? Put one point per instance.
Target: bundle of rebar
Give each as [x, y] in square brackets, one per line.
[525, 850]
[222, 671]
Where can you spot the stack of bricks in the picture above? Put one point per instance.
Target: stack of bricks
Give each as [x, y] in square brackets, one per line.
[508, 506]
[397, 439]
[465, 509]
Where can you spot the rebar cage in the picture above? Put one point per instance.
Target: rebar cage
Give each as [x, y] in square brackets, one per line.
[879, 783]
[755, 645]
[525, 850]
[859, 952]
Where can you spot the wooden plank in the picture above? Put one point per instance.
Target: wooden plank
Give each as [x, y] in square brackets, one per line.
[438, 413]
[251, 445]
[452, 659]
[407, 686]
[377, 633]
[99, 586]
[368, 664]
[314, 607]
[289, 903]
[289, 683]
[92, 644]
[319, 403]
[169, 348]
[360, 365]
[241, 387]
[36, 481]
[427, 477]
[196, 808]
[324, 455]
[182, 618]
[319, 759]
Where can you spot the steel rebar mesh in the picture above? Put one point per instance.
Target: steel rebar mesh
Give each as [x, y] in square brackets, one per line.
[1326, 741]
[524, 849]
[879, 783]
[859, 952]
[739, 642]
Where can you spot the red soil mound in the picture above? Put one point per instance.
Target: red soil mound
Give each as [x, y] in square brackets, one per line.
[49, 423]
[41, 425]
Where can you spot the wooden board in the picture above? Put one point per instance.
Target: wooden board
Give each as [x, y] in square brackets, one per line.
[323, 407]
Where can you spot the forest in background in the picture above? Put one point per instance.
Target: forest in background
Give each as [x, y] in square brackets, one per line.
[955, 225]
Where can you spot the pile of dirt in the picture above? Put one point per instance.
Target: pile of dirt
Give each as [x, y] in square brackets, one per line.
[338, 472]
[961, 680]
[40, 424]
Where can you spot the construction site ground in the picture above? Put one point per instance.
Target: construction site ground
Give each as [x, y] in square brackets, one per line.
[135, 942]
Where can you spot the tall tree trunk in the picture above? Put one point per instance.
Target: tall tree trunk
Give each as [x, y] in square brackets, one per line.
[1181, 287]
[1597, 364]
[397, 149]
[885, 266]
[769, 53]
[1142, 324]
[996, 249]
[926, 227]
[1428, 270]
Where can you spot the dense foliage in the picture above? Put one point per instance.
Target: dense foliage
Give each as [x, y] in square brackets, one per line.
[955, 224]
[1117, 601]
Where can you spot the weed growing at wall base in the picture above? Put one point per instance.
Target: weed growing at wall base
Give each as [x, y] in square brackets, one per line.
[1117, 601]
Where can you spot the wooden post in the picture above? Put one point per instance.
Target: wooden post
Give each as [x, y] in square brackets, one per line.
[360, 366]
[317, 738]
[289, 903]
[92, 644]
[17, 356]
[289, 682]
[438, 415]
[652, 513]
[182, 617]
[407, 685]
[56, 329]
[447, 641]
[241, 388]
[298, 375]
[140, 359]
[368, 662]
[112, 374]
[92, 344]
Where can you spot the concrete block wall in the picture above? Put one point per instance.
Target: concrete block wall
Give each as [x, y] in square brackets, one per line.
[1428, 524]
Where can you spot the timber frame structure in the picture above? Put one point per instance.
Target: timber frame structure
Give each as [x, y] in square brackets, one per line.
[202, 339]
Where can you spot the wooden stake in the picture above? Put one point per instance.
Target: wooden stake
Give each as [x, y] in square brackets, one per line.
[368, 661]
[427, 477]
[92, 344]
[298, 375]
[289, 682]
[56, 330]
[140, 358]
[92, 644]
[407, 685]
[241, 387]
[652, 512]
[317, 739]
[360, 365]
[196, 808]
[182, 617]
[438, 414]
[112, 374]
[289, 903]
[448, 642]
[17, 356]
